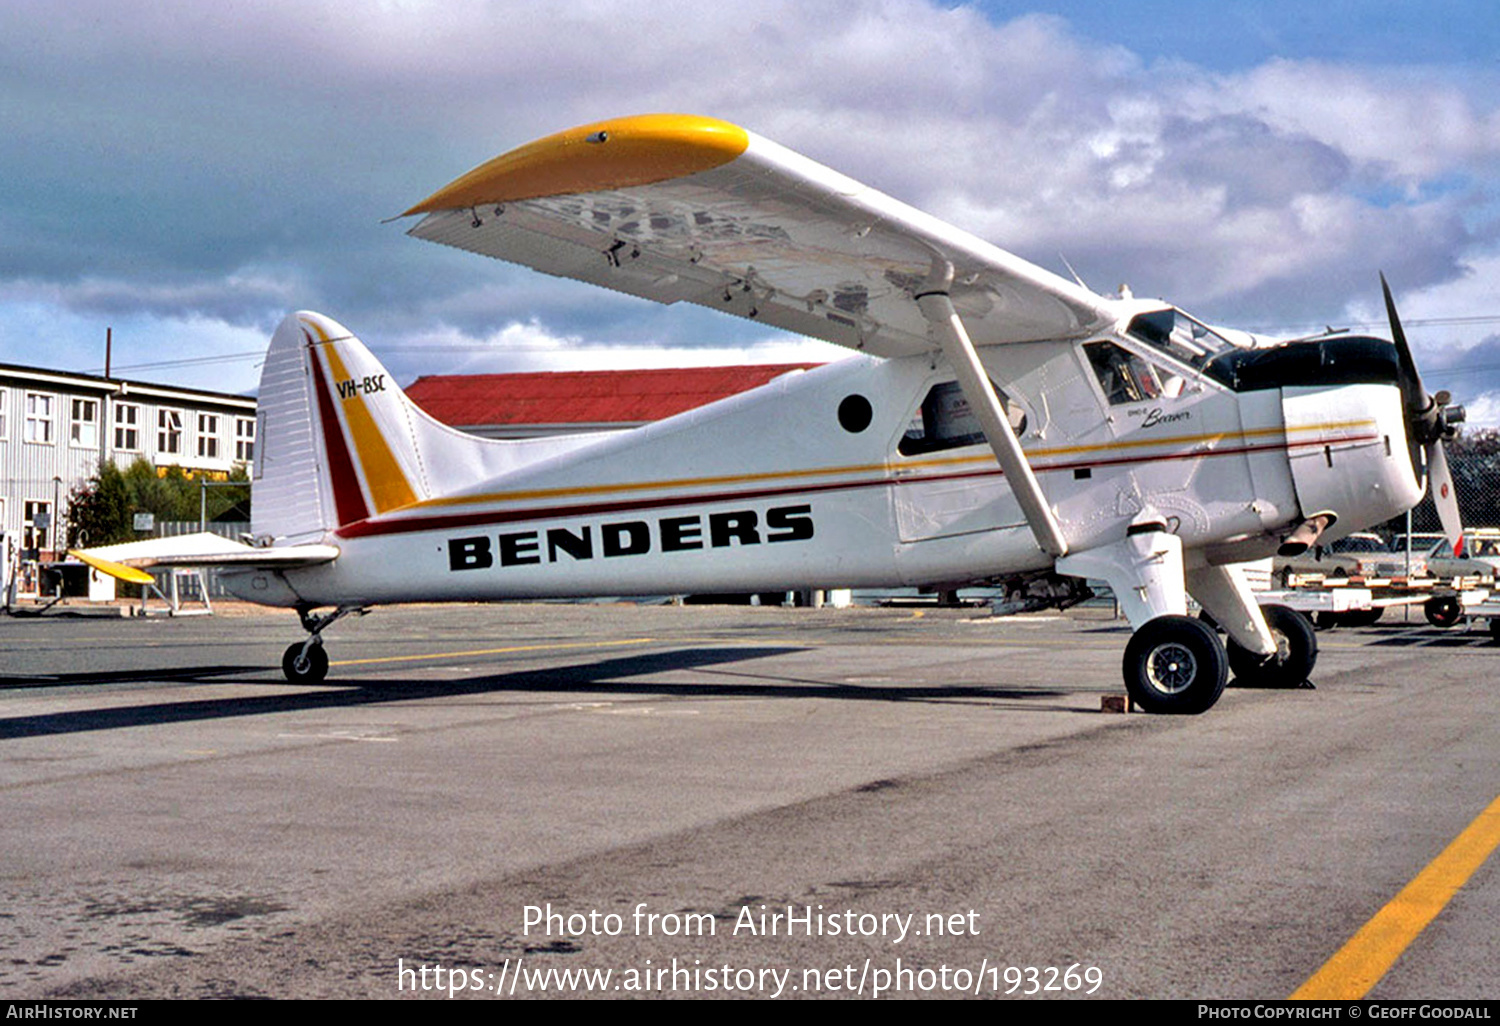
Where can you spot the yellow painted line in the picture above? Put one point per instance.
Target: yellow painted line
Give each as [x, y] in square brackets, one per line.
[494, 651]
[1370, 953]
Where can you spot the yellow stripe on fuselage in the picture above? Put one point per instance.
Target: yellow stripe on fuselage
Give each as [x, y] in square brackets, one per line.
[577, 491]
[614, 154]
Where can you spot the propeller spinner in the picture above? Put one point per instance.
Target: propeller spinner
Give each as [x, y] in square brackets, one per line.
[1430, 420]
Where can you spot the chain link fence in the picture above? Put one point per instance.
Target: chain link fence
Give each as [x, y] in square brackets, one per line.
[1474, 459]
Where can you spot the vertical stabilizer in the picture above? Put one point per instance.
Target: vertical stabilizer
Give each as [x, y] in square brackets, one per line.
[337, 441]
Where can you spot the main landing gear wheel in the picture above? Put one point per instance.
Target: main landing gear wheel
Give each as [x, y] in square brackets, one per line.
[309, 667]
[1175, 664]
[1296, 652]
[1443, 610]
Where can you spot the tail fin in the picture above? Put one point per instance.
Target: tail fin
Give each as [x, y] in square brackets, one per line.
[334, 438]
[338, 441]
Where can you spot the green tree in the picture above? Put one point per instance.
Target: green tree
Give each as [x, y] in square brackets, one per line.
[99, 510]
[102, 510]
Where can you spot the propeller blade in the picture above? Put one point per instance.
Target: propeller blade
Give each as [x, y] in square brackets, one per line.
[1411, 381]
[1440, 479]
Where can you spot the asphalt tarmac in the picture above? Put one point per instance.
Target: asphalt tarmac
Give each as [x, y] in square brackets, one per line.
[548, 800]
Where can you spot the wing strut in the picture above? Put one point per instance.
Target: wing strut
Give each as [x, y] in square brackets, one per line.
[937, 307]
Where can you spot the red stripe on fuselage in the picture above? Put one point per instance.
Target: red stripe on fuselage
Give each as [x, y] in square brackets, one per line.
[409, 524]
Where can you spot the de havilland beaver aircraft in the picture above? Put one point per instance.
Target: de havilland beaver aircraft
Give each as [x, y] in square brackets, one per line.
[1003, 425]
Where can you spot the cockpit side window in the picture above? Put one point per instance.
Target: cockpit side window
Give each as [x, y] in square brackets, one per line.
[1126, 377]
[945, 421]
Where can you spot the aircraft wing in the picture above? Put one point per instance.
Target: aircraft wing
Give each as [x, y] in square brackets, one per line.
[678, 208]
[130, 560]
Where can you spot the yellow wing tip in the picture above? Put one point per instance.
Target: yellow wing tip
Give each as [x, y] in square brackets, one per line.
[117, 570]
[613, 154]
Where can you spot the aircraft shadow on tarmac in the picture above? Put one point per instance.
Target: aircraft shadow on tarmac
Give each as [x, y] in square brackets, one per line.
[594, 678]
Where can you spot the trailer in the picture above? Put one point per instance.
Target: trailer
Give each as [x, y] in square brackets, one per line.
[1339, 601]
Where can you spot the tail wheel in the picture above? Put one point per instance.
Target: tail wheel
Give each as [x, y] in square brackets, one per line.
[309, 667]
[1296, 652]
[1443, 610]
[1175, 664]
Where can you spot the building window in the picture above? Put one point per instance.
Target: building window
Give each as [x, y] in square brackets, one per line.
[39, 418]
[127, 427]
[244, 439]
[36, 525]
[4, 395]
[169, 432]
[208, 436]
[84, 431]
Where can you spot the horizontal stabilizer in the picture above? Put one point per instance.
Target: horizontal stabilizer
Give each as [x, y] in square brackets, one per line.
[119, 571]
[128, 561]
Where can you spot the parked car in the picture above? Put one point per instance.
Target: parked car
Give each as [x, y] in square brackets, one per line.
[1357, 555]
[1422, 542]
[1480, 555]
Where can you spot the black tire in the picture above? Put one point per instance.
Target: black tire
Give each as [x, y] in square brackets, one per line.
[1495, 627]
[1175, 664]
[1296, 652]
[1328, 621]
[312, 670]
[1443, 610]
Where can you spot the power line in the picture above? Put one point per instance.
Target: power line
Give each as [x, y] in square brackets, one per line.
[495, 349]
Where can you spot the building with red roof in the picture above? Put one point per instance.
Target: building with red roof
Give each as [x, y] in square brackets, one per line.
[528, 404]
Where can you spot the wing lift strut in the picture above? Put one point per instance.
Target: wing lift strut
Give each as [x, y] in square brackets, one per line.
[1174, 663]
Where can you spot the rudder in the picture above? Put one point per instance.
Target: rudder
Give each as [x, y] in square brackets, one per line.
[336, 438]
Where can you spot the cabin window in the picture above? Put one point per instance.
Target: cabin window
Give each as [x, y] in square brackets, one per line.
[945, 421]
[1128, 378]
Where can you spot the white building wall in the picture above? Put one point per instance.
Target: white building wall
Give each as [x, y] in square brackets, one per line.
[46, 470]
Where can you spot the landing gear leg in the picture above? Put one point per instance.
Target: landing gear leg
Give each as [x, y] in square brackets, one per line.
[305, 662]
[1174, 663]
[1269, 646]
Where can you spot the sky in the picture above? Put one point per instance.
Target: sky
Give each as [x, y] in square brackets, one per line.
[185, 174]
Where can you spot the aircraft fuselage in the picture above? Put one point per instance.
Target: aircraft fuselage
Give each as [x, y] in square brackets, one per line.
[870, 472]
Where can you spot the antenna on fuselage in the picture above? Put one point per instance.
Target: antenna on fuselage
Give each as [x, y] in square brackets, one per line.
[1081, 283]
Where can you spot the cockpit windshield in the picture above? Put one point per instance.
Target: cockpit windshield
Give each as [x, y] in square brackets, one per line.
[1179, 336]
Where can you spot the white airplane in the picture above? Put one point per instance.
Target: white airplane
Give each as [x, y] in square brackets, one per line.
[1001, 425]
